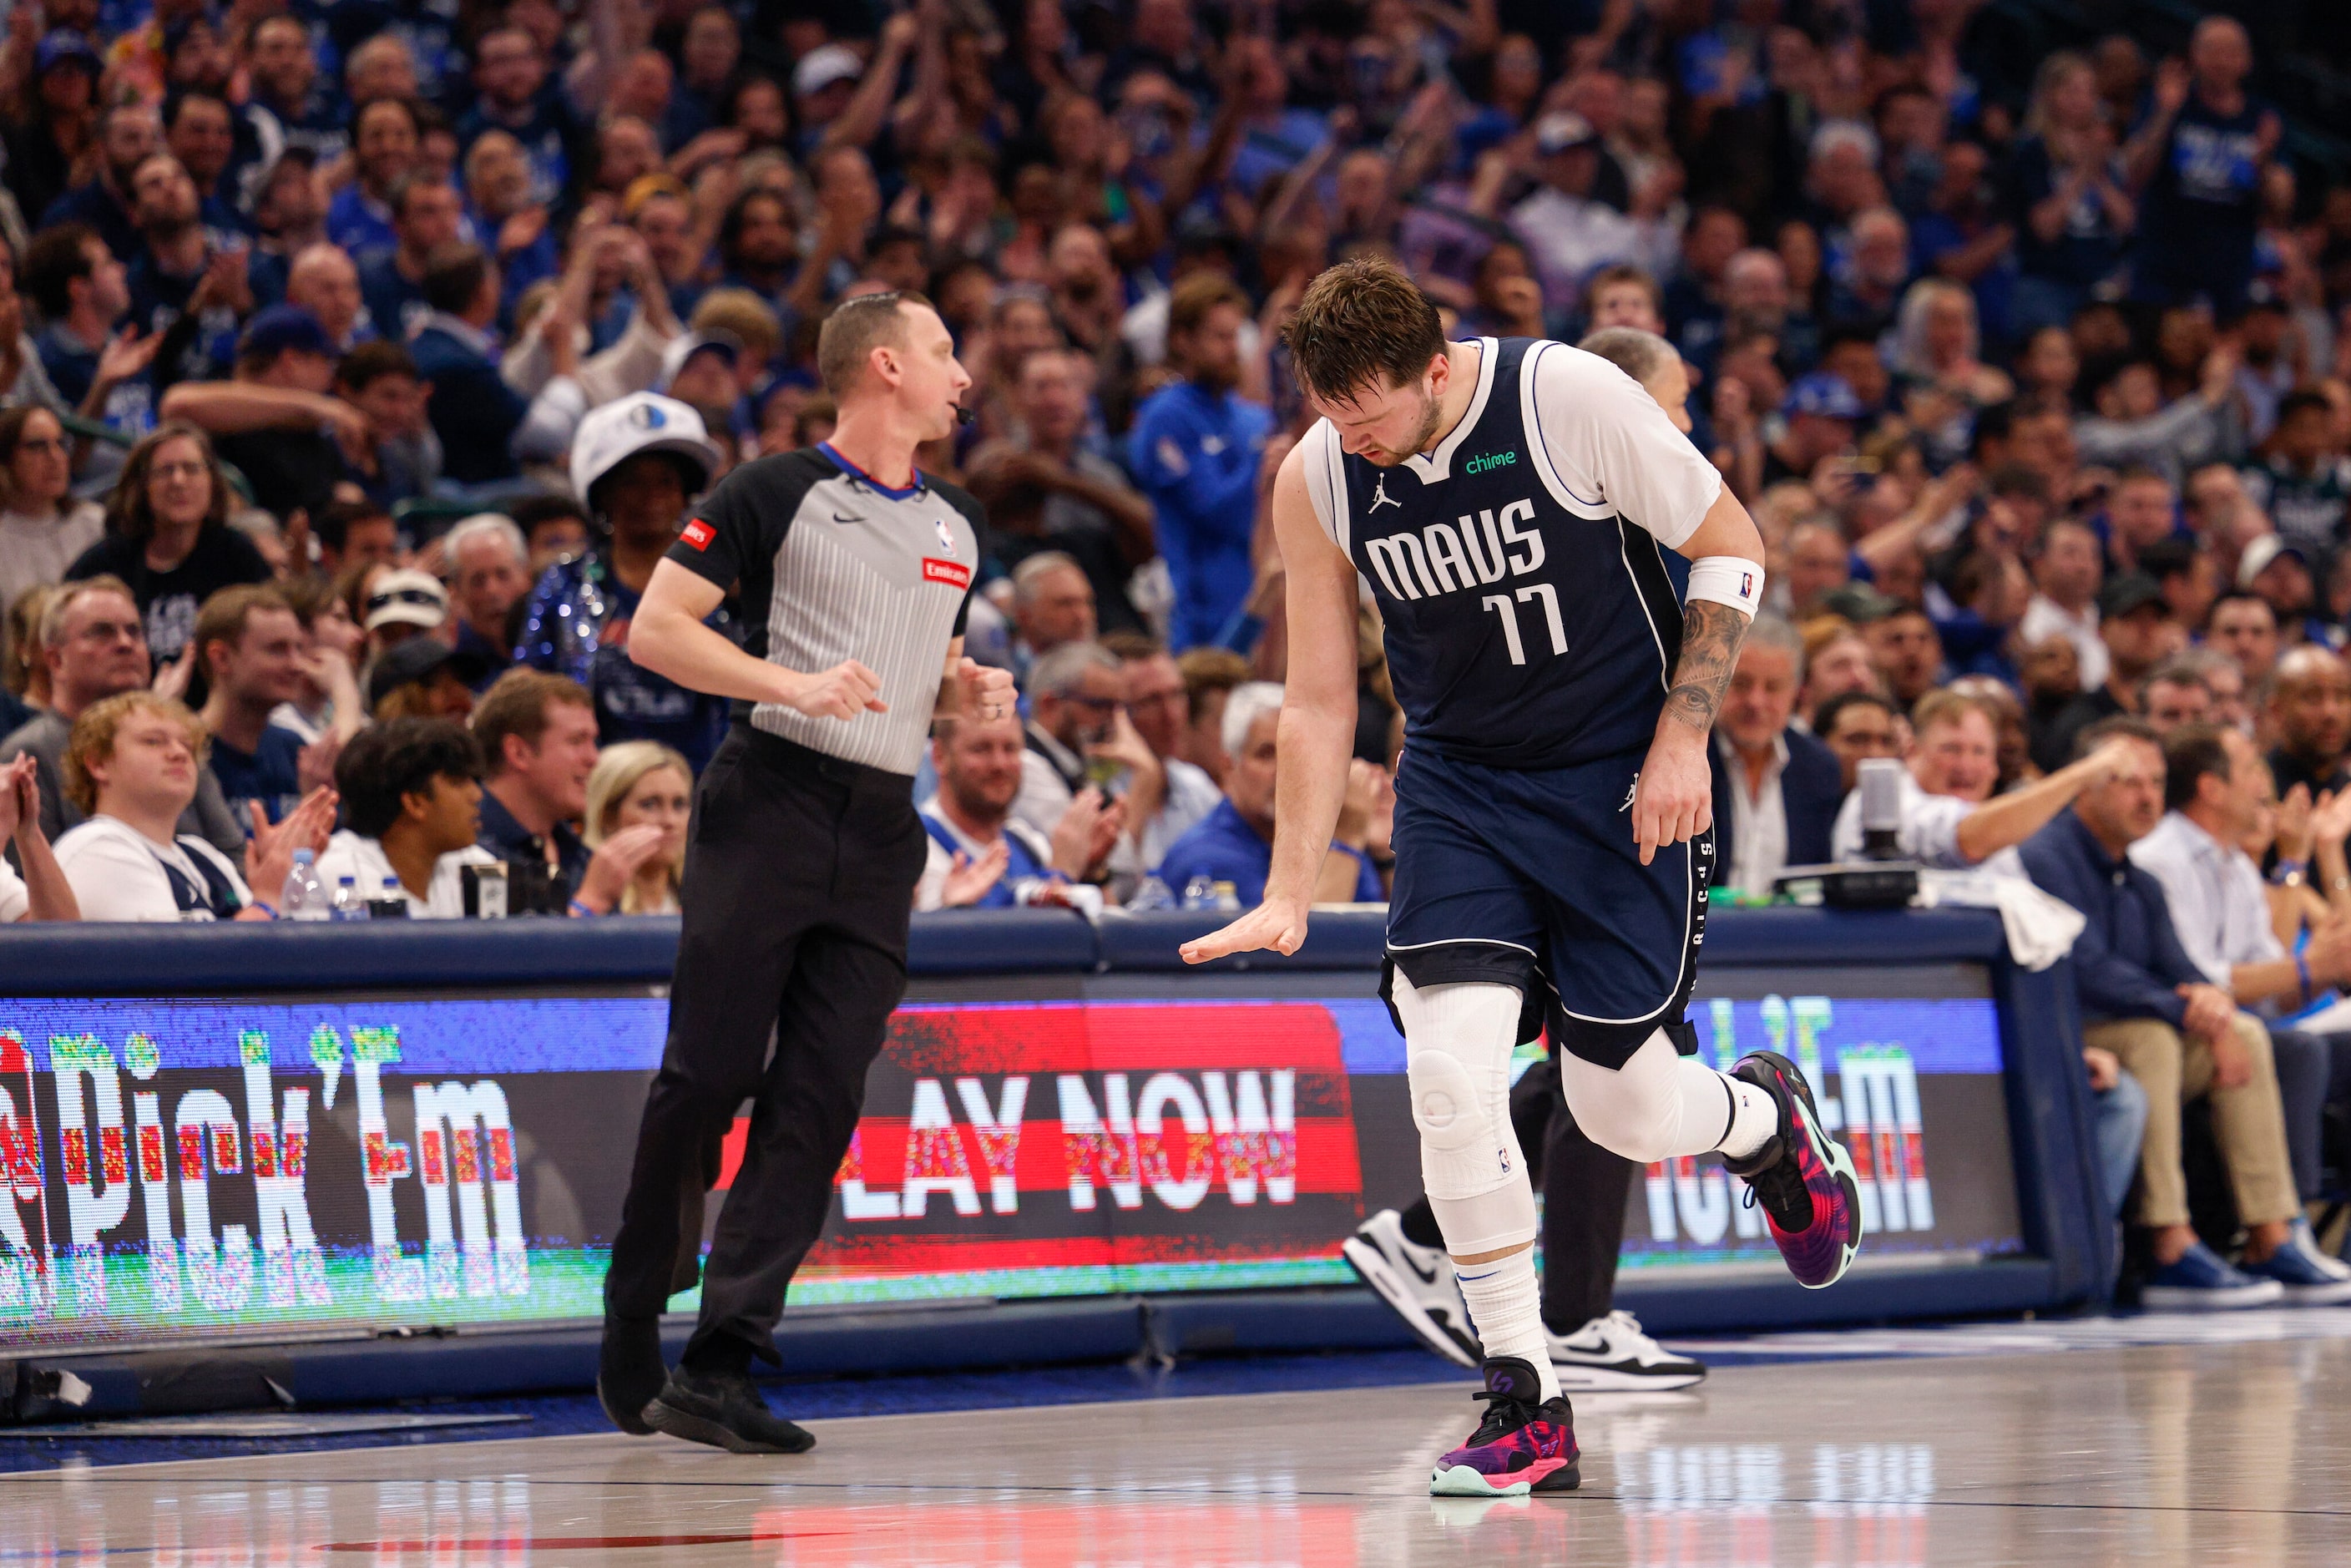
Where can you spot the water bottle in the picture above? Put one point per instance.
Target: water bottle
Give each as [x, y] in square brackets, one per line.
[305, 896]
[391, 904]
[1201, 892]
[1150, 894]
[349, 905]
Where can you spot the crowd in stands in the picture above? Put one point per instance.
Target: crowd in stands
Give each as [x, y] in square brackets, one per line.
[361, 361]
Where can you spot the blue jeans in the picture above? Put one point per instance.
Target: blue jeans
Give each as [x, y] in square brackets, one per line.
[2118, 1121]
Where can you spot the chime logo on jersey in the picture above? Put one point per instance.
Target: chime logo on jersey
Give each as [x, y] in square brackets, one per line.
[699, 534]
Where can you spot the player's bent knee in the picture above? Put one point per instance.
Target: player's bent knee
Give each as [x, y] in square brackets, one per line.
[1446, 1100]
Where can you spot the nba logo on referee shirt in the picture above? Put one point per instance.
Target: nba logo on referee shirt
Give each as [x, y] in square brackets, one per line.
[946, 536]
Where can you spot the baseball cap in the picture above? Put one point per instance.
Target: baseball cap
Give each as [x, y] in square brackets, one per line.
[641, 422]
[63, 46]
[407, 596]
[725, 345]
[280, 328]
[1859, 602]
[2260, 553]
[1558, 131]
[825, 65]
[1823, 393]
[419, 659]
[2130, 593]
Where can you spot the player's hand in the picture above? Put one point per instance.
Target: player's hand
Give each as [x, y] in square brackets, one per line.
[1673, 798]
[1280, 926]
[989, 694]
[842, 691]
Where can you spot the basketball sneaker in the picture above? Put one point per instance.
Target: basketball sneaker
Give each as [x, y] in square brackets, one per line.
[628, 1371]
[1802, 1177]
[1525, 1444]
[1610, 1354]
[1418, 1282]
[724, 1409]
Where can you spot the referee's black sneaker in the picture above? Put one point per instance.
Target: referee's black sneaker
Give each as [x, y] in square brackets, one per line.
[629, 1372]
[724, 1410]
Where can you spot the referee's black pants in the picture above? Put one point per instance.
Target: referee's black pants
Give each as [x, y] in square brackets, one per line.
[799, 879]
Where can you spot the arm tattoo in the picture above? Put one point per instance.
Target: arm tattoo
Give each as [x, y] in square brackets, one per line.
[1711, 633]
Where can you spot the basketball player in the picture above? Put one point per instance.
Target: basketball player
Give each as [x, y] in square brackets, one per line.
[1509, 502]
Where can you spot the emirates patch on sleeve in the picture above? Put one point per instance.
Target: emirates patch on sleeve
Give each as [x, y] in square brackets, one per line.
[699, 534]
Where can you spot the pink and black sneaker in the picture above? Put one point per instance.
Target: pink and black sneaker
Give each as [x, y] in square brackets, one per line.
[1802, 1179]
[1525, 1444]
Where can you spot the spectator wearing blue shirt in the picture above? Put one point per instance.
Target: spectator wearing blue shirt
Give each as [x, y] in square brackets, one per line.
[289, 105]
[83, 291]
[2145, 1003]
[1234, 842]
[1195, 451]
[2198, 163]
[248, 644]
[128, 136]
[510, 75]
[474, 411]
[981, 855]
[425, 215]
[362, 217]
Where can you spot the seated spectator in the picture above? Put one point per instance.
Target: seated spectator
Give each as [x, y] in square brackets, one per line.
[321, 279]
[84, 292]
[1649, 359]
[474, 412]
[2305, 484]
[1211, 677]
[1836, 660]
[42, 529]
[1816, 562]
[93, 647]
[1157, 707]
[640, 797]
[537, 736]
[2137, 629]
[1074, 693]
[1950, 819]
[42, 892]
[2066, 575]
[1043, 491]
[1052, 607]
[1905, 650]
[248, 648]
[403, 605]
[23, 676]
[2242, 625]
[2132, 426]
[981, 855]
[1234, 843]
[1855, 726]
[425, 214]
[2173, 696]
[2279, 574]
[2144, 1000]
[353, 533]
[638, 463]
[1776, 789]
[131, 770]
[168, 537]
[422, 678]
[276, 421]
[2308, 719]
[381, 381]
[489, 573]
[411, 805]
[555, 526]
[326, 700]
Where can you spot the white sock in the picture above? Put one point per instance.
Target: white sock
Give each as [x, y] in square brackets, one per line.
[1753, 1123]
[1506, 1306]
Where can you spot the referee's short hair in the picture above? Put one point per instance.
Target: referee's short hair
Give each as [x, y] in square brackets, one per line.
[854, 330]
[1059, 672]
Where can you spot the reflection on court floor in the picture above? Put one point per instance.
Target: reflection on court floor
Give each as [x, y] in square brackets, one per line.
[2189, 1455]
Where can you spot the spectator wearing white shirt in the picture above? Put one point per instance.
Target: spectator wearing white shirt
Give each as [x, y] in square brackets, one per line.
[1950, 819]
[1164, 794]
[42, 892]
[1570, 234]
[2066, 575]
[1075, 697]
[2216, 792]
[412, 796]
[131, 765]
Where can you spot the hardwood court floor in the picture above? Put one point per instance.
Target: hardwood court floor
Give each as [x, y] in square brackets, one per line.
[2189, 1454]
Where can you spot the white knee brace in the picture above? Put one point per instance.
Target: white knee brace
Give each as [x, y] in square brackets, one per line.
[1458, 1039]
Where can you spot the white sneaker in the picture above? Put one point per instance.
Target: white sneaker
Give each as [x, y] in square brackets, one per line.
[1611, 1355]
[1418, 1282]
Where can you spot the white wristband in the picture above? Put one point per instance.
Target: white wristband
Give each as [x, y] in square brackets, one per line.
[1728, 579]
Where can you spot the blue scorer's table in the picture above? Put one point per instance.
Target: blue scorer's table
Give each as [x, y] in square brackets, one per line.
[359, 1162]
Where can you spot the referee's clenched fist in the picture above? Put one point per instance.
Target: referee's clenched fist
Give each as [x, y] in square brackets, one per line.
[854, 572]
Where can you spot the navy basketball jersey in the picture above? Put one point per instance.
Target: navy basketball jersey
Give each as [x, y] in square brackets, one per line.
[1520, 568]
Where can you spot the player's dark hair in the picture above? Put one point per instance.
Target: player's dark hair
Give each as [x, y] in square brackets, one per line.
[1363, 325]
[2189, 753]
[398, 757]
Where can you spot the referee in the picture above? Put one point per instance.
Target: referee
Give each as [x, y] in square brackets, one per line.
[801, 860]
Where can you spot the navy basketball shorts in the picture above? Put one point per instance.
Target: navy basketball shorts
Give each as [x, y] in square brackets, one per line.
[1531, 879]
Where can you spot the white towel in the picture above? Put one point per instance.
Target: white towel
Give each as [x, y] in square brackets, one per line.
[2040, 927]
